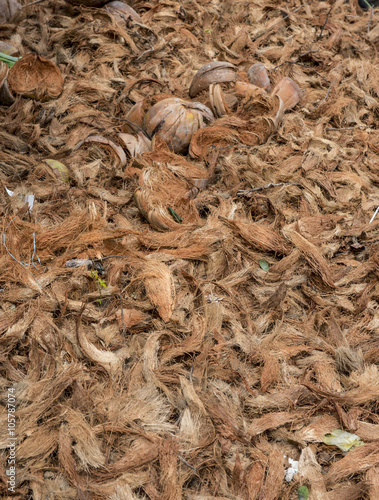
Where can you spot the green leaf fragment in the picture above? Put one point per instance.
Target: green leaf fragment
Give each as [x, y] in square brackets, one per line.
[9, 60]
[344, 440]
[263, 264]
[302, 493]
[175, 216]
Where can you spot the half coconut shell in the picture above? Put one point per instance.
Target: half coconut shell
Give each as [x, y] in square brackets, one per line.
[35, 77]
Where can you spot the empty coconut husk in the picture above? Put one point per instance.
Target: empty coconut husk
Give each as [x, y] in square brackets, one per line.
[35, 77]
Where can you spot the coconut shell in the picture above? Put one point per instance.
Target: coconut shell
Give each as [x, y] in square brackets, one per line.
[258, 76]
[289, 92]
[213, 72]
[135, 115]
[8, 9]
[35, 77]
[122, 12]
[175, 121]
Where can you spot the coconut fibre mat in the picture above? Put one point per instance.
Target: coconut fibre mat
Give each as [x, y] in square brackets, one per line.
[191, 352]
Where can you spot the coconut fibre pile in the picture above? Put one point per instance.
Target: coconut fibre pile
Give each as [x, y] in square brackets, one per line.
[188, 324]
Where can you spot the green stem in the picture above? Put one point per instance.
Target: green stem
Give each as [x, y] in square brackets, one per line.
[9, 60]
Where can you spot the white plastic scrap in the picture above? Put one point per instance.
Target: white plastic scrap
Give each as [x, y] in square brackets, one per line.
[29, 198]
[292, 470]
[78, 263]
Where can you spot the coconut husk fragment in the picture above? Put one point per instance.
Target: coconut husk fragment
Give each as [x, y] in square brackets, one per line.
[159, 286]
[160, 190]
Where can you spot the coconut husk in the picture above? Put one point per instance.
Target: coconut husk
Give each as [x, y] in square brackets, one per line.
[160, 190]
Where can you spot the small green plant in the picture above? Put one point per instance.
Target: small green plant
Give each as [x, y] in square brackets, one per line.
[100, 283]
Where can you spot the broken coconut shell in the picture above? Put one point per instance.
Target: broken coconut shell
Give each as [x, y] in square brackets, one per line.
[135, 145]
[35, 77]
[217, 101]
[289, 92]
[122, 12]
[244, 89]
[135, 115]
[175, 121]
[257, 75]
[213, 72]
[8, 9]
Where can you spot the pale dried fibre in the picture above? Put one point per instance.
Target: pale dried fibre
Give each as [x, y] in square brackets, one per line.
[67, 463]
[270, 372]
[87, 446]
[159, 286]
[310, 472]
[270, 421]
[367, 431]
[367, 386]
[259, 236]
[358, 460]
[282, 400]
[139, 453]
[275, 474]
[316, 430]
[112, 362]
[372, 478]
[223, 421]
[41, 441]
[348, 492]
[169, 474]
[255, 479]
[312, 254]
